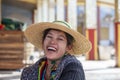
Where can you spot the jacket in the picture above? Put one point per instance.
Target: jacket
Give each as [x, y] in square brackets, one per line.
[68, 69]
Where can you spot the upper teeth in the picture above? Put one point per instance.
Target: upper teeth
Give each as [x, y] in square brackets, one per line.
[52, 48]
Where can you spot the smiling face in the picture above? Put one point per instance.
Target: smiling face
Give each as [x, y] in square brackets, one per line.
[55, 44]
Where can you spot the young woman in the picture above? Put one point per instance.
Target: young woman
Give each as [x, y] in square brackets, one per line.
[60, 43]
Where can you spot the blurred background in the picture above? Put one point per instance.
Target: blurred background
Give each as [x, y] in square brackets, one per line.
[98, 20]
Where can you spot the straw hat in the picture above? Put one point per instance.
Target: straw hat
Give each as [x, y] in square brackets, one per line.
[34, 35]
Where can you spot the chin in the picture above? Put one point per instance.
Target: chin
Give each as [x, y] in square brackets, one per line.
[51, 58]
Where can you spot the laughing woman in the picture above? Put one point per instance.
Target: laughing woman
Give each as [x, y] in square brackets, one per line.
[60, 45]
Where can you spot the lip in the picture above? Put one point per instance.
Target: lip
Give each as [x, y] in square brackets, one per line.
[52, 48]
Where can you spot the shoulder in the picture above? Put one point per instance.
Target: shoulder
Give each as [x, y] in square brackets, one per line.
[73, 68]
[70, 62]
[33, 66]
[28, 72]
[70, 59]
[31, 71]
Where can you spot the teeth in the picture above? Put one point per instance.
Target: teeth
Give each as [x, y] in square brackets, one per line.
[51, 48]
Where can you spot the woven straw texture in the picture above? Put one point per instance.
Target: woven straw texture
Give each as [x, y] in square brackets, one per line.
[34, 35]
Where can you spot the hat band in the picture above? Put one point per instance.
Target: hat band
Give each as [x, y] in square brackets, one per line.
[62, 23]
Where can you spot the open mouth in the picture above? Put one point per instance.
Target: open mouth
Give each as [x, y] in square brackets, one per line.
[52, 49]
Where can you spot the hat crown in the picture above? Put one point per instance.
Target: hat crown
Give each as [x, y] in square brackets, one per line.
[63, 23]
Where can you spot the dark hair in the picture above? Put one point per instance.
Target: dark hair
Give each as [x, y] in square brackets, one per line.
[70, 39]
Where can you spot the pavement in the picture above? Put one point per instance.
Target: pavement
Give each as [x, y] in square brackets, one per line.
[103, 74]
[10, 75]
[101, 70]
[94, 70]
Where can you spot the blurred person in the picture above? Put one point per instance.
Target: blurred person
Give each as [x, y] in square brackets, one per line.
[60, 44]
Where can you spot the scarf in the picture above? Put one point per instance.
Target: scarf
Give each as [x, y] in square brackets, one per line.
[42, 71]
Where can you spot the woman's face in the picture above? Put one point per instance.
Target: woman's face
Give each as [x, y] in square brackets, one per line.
[55, 44]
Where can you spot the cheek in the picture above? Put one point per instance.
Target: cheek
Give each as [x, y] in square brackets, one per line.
[63, 47]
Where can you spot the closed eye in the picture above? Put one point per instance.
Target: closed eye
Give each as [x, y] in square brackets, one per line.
[48, 36]
[60, 39]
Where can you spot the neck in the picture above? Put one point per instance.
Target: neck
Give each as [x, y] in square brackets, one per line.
[51, 63]
[55, 62]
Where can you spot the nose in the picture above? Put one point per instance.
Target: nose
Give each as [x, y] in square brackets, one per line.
[53, 41]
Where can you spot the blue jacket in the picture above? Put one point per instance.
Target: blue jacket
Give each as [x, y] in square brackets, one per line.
[68, 69]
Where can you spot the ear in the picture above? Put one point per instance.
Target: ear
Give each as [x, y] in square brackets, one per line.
[69, 47]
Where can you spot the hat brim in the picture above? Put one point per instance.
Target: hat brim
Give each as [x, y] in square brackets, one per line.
[34, 34]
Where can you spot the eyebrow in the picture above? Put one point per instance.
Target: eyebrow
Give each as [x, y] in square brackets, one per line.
[64, 36]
